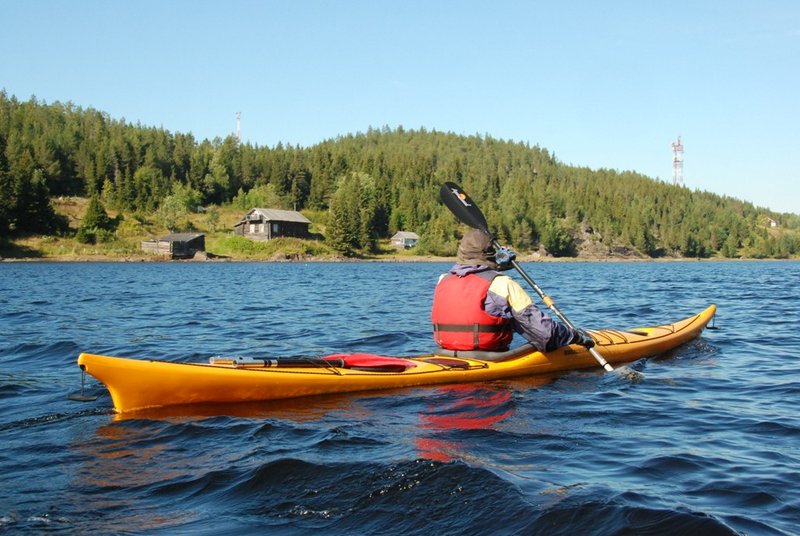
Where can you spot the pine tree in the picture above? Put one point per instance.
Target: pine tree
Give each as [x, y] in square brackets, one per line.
[96, 225]
[7, 194]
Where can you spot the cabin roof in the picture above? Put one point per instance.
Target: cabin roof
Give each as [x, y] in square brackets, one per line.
[275, 214]
[406, 234]
[181, 237]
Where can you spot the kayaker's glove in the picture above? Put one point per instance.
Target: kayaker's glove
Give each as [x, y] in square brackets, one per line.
[503, 258]
[582, 338]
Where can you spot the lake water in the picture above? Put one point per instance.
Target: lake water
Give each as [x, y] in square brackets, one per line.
[708, 442]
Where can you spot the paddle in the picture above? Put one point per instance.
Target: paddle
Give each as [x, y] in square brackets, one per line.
[465, 209]
[369, 362]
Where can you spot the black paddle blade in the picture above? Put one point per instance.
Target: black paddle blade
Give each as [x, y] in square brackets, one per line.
[463, 207]
[82, 398]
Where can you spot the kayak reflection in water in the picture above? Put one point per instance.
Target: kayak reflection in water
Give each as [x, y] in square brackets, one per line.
[475, 307]
[460, 408]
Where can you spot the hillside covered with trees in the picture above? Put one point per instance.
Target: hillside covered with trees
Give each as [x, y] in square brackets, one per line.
[363, 187]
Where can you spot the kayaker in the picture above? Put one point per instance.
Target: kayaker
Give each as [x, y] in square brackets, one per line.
[475, 307]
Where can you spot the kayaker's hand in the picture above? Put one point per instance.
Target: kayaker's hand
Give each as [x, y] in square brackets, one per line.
[582, 338]
[504, 257]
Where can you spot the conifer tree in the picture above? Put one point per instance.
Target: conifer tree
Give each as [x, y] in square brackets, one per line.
[96, 225]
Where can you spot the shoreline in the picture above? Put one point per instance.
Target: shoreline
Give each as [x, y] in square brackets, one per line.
[385, 259]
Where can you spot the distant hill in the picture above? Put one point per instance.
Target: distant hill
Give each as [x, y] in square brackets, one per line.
[369, 186]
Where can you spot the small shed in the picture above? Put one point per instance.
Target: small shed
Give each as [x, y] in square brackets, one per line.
[405, 239]
[269, 223]
[177, 245]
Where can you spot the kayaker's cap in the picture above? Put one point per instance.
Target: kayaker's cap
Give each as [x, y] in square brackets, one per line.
[476, 248]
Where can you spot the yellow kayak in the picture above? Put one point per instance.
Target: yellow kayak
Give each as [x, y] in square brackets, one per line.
[136, 384]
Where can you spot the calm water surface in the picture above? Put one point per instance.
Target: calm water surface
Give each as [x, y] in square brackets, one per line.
[707, 443]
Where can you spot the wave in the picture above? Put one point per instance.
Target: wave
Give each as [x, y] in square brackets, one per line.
[20, 426]
[413, 497]
[54, 353]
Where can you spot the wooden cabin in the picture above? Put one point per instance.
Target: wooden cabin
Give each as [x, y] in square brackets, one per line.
[177, 245]
[405, 239]
[269, 223]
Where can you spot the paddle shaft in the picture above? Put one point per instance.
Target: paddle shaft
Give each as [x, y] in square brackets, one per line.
[265, 362]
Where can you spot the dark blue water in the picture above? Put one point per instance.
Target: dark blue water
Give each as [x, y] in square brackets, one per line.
[707, 443]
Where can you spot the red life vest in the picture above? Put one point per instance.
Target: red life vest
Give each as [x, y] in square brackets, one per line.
[459, 319]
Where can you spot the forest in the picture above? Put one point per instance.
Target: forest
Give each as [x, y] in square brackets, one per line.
[364, 187]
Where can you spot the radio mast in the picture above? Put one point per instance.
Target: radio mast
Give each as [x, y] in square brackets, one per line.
[239, 127]
[677, 162]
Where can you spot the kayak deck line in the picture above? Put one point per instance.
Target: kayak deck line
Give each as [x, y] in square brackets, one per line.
[668, 329]
[136, 384]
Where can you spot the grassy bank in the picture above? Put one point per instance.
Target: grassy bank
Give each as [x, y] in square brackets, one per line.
[217, 223]
[124, 244]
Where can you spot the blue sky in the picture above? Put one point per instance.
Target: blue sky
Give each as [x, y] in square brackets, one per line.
[600, 84]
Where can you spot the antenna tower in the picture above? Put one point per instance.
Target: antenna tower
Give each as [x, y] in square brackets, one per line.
[677, 162]
[239, 127]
